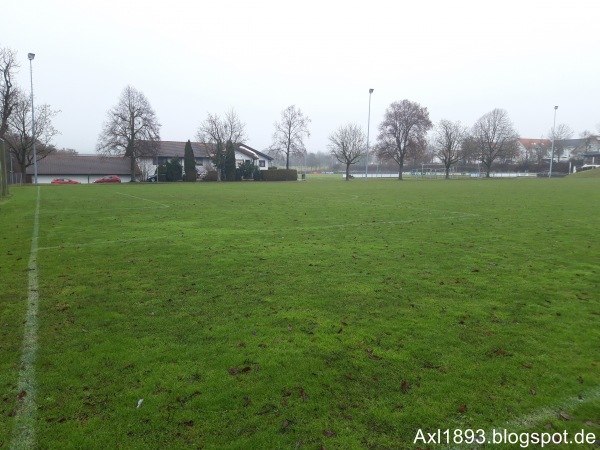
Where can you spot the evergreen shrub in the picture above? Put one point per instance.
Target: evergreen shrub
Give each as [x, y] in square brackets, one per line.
[174, 170]
[211, 175]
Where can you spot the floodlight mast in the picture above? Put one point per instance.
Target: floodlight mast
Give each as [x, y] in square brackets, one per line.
[552, 154]
[368, 126]
[35, 172]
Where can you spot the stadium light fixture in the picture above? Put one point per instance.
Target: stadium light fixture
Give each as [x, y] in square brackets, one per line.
[368, 126]
[552, 154]
[35, 172]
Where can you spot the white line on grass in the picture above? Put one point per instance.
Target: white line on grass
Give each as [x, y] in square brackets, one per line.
[550, 412]
[527, 422]
[224, 231]
[80, 211]
[144, 199]
[106, 242]
[24, 430]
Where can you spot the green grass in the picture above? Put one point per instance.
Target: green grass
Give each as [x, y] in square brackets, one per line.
[299, 315]
[593, 173]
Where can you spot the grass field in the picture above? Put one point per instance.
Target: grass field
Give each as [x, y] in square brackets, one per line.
[323, 314]
[587, 174]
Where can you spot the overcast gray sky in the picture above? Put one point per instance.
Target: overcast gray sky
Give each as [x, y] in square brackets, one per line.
[460, 59]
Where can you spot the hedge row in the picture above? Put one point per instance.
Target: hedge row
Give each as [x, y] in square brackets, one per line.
[279, 175]
[265, 175]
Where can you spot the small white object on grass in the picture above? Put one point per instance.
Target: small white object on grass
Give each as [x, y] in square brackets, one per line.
[139, 403]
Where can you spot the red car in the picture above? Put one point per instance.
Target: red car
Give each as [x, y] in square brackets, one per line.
[64, 181]
[108, 179]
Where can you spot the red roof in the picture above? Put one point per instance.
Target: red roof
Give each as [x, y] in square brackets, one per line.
[535, 143]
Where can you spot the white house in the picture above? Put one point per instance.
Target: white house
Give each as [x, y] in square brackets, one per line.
[168, 150]
[541, 149]
[536, 150]
[570, 148]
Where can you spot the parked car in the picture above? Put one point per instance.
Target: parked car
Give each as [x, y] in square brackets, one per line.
[151, 178]
[108, 179]
[64, 181]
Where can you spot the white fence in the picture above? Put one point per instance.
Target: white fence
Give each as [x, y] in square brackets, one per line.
[438, 174]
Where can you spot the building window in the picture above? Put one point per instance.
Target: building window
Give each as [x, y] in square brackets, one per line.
[261, 163]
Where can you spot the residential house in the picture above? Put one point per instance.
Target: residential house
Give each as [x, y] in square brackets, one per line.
[577, 148]
[168, 150]
[83, 168]
[538, 150]
[534, 150]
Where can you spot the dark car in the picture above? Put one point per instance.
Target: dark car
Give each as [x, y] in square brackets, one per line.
[108, 179]
[64, 181]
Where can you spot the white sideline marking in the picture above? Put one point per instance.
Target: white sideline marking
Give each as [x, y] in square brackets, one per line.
[108, 241]
[210, 232]
[24, 431]
[540, 415]
[144, 199]
[526, 422]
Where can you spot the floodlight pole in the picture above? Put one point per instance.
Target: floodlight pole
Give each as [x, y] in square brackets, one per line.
[35, 172]
[368, 126]
[552, 155]
[305, 166]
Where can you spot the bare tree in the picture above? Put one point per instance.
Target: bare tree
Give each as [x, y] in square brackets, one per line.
[585, 134]
[131, 130]
[347, 144]
[403, 132]
[8, 68]
[423, 154]
[8, 92]
[312, 161]
[583, 144]
[495, 138]
[448, 142]
[289, 135]
[217, 131]
[146, 168]
[470, 150]
[536, 150]
[18, 137]
[559, 134]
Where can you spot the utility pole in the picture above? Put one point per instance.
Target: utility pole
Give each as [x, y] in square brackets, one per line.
[552, 156]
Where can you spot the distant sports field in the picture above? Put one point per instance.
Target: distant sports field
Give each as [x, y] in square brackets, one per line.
[299, 315]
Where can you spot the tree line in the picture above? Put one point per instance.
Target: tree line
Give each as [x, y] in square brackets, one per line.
[403, 132]
[16, 119]
[132, 130]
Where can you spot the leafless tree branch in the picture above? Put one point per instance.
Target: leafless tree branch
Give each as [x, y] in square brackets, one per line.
[347, 144]
[131, 129]
[495, 138]
[8, 92]
[217, 131]
[289, 135]
[558, 134]
[448, 142]
[402, 132]
[18, 137]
